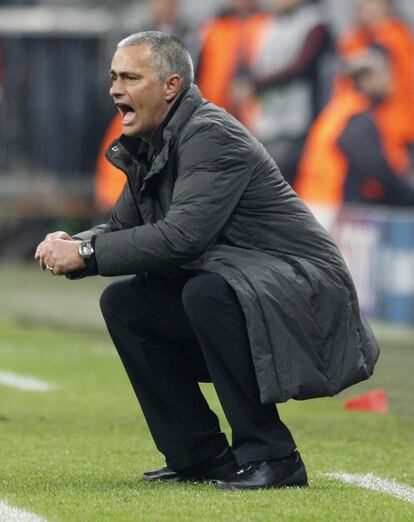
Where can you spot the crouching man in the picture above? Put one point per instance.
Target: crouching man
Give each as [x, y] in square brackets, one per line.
[233, 280]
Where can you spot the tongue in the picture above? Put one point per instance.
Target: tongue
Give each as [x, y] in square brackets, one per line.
[128, 117]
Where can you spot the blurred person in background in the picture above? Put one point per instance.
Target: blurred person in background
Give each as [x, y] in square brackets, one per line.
[234, 281]
[377, 22]
[165, 16]
[284, 90]
[345, 158]
[229, 46]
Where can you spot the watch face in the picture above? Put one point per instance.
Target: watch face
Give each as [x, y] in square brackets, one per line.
[85, 249]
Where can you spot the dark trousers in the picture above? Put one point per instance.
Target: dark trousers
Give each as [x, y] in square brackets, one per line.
[172, 334]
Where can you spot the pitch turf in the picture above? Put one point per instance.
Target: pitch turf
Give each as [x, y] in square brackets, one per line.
[77, 453]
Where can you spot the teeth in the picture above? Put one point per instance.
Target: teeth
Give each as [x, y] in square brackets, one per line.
[126, 112]
[124, 109]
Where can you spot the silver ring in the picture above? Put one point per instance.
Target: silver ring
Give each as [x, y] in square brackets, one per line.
[50, 268]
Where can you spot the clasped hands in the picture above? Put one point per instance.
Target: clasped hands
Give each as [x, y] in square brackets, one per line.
[59, 253]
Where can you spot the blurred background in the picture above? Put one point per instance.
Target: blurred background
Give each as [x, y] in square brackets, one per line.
[327, 86]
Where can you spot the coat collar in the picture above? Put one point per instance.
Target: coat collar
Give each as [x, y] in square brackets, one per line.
[191, 101]
[123, 151]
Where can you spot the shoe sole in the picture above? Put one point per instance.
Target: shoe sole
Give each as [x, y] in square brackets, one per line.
[233, 487]
[183, 479]
[158, 479]
[219, 471]
[297, 480]
[192, 480]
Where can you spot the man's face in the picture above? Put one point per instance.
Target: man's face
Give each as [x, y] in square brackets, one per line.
[285, 6]
[243, 5]
[376, 83]
[164, 11]
[369, 12]
[137, 91]
[372, 74]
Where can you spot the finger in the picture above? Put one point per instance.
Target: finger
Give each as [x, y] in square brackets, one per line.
[58, 268]
[42, 261]
[48, 265]
[59, 234]
[38, 250]
[39, 254]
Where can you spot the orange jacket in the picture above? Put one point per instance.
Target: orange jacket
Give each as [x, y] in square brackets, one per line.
[395, 118]
[229, 41]
[109, 180]
[323, 166]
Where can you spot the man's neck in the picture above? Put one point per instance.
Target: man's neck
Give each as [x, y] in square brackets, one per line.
[157, 136]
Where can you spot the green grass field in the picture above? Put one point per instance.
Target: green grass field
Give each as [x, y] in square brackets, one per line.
[77, 453]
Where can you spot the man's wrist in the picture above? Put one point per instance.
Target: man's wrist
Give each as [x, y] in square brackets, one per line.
[87, 253]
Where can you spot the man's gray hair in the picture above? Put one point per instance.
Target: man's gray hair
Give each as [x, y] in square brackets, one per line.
[170, 56]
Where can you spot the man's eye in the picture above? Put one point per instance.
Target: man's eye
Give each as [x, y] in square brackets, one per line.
[131, 78]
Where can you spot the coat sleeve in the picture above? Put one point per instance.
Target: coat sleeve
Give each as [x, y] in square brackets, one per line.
[213, 172]
[124, 215]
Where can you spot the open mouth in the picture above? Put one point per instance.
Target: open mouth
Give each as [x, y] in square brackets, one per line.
[127, 113]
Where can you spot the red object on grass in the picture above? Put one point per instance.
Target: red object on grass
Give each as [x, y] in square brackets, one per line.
[375, 401]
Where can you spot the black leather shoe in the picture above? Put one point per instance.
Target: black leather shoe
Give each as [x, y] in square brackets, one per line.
[289, 472]
[210, 470]
[165, 473]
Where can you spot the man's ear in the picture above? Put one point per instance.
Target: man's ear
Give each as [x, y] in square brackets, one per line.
[172, 86]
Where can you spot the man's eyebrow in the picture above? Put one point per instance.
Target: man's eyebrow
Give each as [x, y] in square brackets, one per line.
[112, 72]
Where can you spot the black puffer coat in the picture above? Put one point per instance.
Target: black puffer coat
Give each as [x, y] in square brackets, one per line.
[214, 200]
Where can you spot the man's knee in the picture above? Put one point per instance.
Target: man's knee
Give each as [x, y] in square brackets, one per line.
[111, 299]
[122, 299]
[203, 292]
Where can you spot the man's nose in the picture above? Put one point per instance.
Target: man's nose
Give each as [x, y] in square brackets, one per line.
[117, 88]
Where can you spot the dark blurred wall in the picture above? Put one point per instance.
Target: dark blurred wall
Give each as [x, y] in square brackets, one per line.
[51, 96]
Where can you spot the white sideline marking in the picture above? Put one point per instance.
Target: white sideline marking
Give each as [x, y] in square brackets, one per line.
[371, 481]
[9, 513]
[25, 382]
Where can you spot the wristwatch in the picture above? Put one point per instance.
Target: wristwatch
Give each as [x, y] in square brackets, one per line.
[86, 250]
